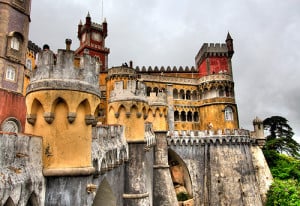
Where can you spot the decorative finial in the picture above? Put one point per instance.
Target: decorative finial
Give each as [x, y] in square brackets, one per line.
[88, 15]
[80, 23]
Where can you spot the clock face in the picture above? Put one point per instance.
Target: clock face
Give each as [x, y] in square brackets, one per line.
[96, 36]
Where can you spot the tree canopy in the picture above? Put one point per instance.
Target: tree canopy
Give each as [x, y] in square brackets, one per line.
[280, 138]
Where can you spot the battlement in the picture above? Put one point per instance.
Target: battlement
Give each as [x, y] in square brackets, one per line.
[212, 49]
[58, 72]
[168, 69]
[159, 99]
[135, 90]
[109, 147]
[226, 136]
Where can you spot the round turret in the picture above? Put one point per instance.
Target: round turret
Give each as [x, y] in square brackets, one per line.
[61, 105]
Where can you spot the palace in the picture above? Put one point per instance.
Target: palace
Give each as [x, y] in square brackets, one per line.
[74, 131]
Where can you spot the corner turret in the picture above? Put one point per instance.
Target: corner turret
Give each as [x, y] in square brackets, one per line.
[229, 44]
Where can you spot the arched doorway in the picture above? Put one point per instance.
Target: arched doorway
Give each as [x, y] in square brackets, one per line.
[180, 176]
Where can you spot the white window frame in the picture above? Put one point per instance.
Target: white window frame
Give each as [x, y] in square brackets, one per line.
[29, 64]
[10, 73]
[15, 43]
[228, 113]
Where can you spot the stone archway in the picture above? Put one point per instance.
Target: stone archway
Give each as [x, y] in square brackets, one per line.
[180, 177]
[105, 195]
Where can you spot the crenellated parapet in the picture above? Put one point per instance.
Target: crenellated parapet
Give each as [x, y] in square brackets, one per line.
[57, 72]
[109, 147]
[149, 135]
[167, 69]
[191, 138]
[134, 90]
[22, 181]
[211, 50]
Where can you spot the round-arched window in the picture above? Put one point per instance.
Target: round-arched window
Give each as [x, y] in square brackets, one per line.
[11, 125]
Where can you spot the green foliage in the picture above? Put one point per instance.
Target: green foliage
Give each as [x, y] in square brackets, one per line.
[285, 190]
[284, 193]
[282, 166]
[280, 138]
[182, 196]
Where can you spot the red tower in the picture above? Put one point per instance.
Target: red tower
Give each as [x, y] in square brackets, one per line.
[215, 58]
[92, 40]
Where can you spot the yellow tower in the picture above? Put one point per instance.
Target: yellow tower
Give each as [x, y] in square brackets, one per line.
[127, 103]
[62, 101]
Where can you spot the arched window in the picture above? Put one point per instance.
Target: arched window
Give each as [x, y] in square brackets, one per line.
[148, 91]
[175, 93]
[189, 116]
[183, 116]
[15, 43]
[28, 64]
[188, 94]
[196, 117]
[182, 95]
[221, 91]
[194, 95]
[228, 114]
[155, 90]
[176, 116]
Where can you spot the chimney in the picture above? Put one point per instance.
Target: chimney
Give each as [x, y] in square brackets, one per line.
[68, 44]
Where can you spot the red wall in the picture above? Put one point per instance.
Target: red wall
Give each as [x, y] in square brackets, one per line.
[218, 64]
[12, 105]
[203, 69]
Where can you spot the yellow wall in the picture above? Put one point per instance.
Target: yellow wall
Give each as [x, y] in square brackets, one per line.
[65, 144]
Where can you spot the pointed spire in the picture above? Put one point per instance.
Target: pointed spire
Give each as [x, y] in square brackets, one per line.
[80, 23]
[88, 15]
[228, 37]
[104, 20]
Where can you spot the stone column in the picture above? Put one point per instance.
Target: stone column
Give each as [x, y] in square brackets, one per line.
[170, 107]
[163, 189]
[136, 174]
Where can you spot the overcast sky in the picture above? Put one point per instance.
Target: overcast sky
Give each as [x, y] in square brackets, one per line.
[266, 34]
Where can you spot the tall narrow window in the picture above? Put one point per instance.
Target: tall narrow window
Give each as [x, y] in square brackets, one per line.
[176, 116]
[228, 114]
[10, 73]
[28, 64]
[15, 43]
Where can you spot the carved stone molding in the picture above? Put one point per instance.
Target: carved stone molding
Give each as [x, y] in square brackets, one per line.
[138, 115]
[49, 117]
[89, 119]
[145, 116]
[31, 118]
[128, 114]
[71, 117]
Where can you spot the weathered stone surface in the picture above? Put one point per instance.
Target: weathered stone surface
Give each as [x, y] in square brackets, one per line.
[21, 177]
[221, 174]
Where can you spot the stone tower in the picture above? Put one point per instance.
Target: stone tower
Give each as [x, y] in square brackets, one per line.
[218, 109]
[62, 101]
[92, 40]
[14, 26]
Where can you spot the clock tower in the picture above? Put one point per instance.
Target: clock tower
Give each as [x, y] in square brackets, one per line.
[92, 40]
[14, 27]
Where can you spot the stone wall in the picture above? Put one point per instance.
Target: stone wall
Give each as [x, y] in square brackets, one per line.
[21, 178]
[222, 170]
